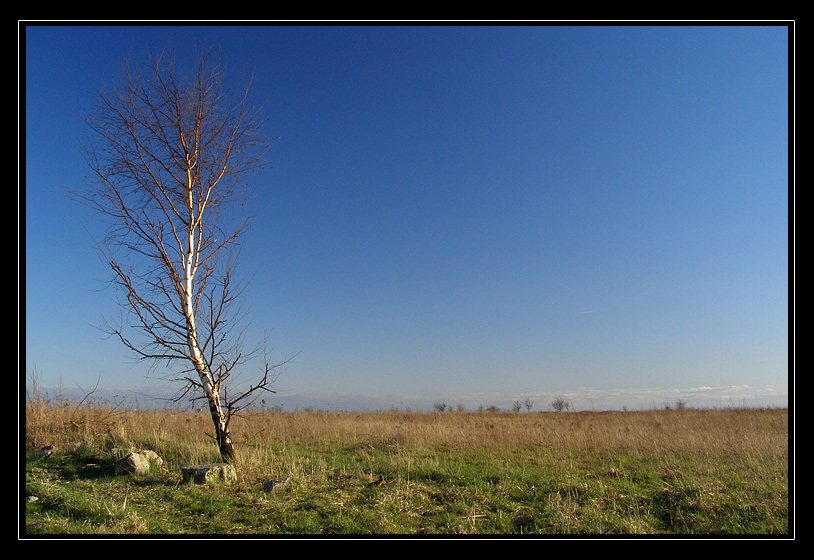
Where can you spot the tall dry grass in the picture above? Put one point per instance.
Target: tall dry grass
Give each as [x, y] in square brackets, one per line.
[577, 472]
[275, 441]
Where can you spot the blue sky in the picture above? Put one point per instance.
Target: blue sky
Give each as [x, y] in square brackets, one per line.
[463, 214]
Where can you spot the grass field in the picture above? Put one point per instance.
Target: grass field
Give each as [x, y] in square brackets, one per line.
[666, 472]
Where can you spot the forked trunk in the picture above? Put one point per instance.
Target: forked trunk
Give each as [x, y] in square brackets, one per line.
[224, 439]
[220, 418]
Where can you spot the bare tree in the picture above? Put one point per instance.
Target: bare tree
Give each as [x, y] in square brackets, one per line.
[559, 404]
[439, 406]
[169, 156]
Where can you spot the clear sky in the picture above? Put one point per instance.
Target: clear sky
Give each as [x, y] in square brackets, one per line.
[472, 215]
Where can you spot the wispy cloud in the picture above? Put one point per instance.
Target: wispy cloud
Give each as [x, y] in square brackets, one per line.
[582, 398]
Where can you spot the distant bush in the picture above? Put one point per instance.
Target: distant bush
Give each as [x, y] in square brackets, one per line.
[560, 405]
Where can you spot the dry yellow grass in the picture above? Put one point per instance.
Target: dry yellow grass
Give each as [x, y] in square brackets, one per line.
[739, 434]
[684, 470]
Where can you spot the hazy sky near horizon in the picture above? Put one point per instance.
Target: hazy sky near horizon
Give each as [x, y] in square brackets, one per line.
[453, 210]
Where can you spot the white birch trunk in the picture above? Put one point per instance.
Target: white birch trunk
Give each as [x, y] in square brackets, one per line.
[206, 376]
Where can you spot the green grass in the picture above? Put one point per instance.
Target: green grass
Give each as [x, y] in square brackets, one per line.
[380, 491]
[356, 482]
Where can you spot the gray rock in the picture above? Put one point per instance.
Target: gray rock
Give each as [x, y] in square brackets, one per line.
[152, 457]
[134, 463]
[275, 484]
[218, 472]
